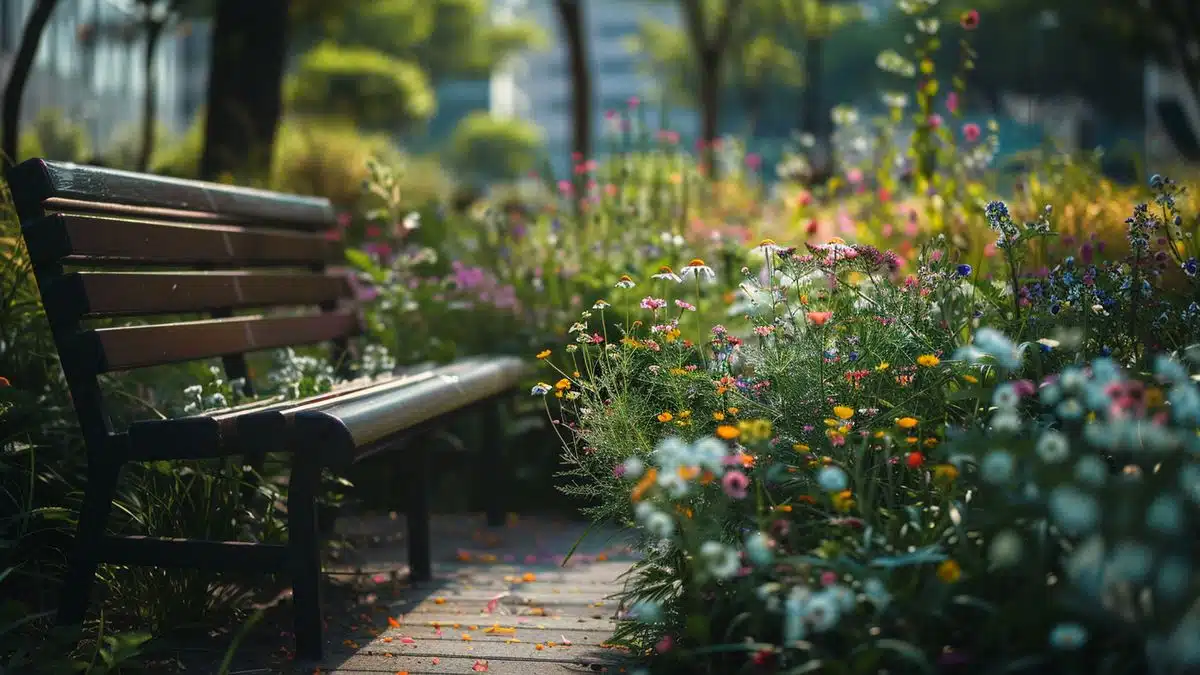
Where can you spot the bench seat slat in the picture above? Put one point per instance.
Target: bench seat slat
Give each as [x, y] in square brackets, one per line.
[37, 180]
[97, 240]
[133, 347]
[101, 294]
[353, 426]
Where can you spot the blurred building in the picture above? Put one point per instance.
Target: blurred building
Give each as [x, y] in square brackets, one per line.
[536, 85]
[89, 65]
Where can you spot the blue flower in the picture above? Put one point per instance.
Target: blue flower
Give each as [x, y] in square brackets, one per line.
[758, 549]
[963, 270]
[1072, 510]
[1068, 636]
[832, 479]
[997, 467]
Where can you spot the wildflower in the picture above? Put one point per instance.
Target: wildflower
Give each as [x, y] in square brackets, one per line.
[832, 479]
[1006, 549]
[1068, 637]
[652, 303]
[997, 467]
[601, 305]
[664, 645]
[646, 611]
[822, 611]
[945, 473]
[928, 360]
[970, 379]
[625, 282]
[876, 593]
[907, 422]
[684, 305]
[794, 607]
[1165, 514]
[644, 485]
[759, 549]
[1053, 447]
[971, 134]
[718, 416]
[722, 560]
[843, 501]
[1072, 510]
[963, 270]
[667, 274]
[727, 431]
[883, 366]
[914, 460]
[665, 417]
[540, 389]
[949, 571]
[819, 318]
[544, 354]
[969, 19]
[843, 411]
[632, 467]
[735, 483]
[657, 523]
[800, 447]
[697, 269]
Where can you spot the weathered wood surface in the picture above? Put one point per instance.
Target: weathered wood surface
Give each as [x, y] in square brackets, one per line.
[500, 599]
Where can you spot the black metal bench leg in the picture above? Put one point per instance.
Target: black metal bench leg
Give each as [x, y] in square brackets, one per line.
[420, 554]
[305, 556]
[93, 516]
[492, 480]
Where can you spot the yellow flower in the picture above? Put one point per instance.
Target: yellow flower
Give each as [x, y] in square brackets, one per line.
[949, 571]
[971, 378]
[926, 66]
[562, 384]
[719, 416]
[843, 501]
[830, 422]
[689, 472]
[907, 422]
[945, 473]
[883, 366]
[800, 447]
[665, 417]
[728, 432]
[844, 411]
[928, 360]
[732, 411]
[545, 353]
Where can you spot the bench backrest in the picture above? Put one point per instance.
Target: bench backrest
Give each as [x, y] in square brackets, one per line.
[107, 243]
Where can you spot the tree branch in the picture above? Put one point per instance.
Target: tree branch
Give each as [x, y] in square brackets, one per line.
[725, 25]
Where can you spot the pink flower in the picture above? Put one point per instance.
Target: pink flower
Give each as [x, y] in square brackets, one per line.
[935, 121]
[664, 645]
[634, 101]
[685, 306]
[565, 187]
[887, 229]
[753, 161]
[855, 176]
[952, 102]
[652, 303]
[828, 578]
[735, 483]
[971, 132]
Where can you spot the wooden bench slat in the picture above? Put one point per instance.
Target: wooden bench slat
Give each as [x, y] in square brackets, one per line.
[94, 239]
[36, 180]
[100, 294]
[134, 347]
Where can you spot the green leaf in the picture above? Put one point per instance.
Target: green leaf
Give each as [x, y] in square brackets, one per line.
[905, 650]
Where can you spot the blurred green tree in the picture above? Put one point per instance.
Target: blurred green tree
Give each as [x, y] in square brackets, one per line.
[378, 63]
[487, 147]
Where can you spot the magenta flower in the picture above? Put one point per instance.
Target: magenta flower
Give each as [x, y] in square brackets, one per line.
[735, 483]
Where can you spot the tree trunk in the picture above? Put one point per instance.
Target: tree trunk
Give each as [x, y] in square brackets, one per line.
[710, 108]
[245, 89]
[18, 75]
[154, 31]
[570, 13]
[814, 121]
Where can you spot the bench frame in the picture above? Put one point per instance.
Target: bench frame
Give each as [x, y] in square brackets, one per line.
[75, 215]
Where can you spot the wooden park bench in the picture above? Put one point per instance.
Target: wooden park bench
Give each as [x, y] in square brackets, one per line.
[216, 252]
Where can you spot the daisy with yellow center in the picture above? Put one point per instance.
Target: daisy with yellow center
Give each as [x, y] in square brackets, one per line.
[698, 270]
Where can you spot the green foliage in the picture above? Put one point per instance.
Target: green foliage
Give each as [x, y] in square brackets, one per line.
[53, 136]
[368, 86]
[495, 147]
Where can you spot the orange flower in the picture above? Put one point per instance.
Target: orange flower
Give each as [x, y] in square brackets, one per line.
[644, 484]
[728, 432]
[819, 318]
[949, 571]
[906, 422]
[665, 417]
[545, 353]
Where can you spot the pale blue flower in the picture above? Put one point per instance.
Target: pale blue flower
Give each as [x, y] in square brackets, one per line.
[633, 467]
[1189, 481]
[1072, 510]
[1185, 403]
[1006, 421]
[1050, 394]
[540, 389]
[1006, 549]
[646, 611]
[822, 611]
[995, 344]
[1069, 409]
[1174, 576]
[709, 453]
[1068, 636]
[1131, 561]
[998, 467]
[671, 453]
[1072, 380]
[794, 608]
[832, 479]
[674, 484]
[1053, 447]
[759, 549]
[722, 561]
[1168, 369]
[876, 593]
[658, 524]
[1165, 514]
[1006, 396]
[1091, 470]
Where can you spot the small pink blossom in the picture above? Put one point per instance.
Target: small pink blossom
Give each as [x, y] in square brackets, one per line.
[971, 132]
[952, 102]
[664, 645]
[735, 484]
[685, 306]
[652, 303]
[828, 578]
